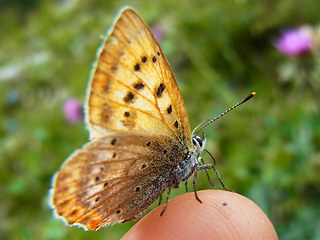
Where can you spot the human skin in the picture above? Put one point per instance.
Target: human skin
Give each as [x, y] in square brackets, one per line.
[221, 215]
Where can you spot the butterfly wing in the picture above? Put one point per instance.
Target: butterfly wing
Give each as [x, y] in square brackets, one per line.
[114, 179]
[139, 129]
[133, 88]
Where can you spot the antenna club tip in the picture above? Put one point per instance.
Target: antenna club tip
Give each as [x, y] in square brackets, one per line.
[253, 93]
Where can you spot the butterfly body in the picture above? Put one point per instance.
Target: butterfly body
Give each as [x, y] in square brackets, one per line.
[140, 138]
[187, 166]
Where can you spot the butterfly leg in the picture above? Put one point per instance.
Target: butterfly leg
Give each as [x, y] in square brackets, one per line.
[195, 175]
[174, 183]
[167, 199]
[160, 199]
[186, 185]
[139, 215]
[207, 166]
[206, 169]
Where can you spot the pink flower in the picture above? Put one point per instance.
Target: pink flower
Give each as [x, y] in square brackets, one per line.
[72, 110]
[294, 42]
[157, 32]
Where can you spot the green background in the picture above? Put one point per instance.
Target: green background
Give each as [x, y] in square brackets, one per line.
[267, 150]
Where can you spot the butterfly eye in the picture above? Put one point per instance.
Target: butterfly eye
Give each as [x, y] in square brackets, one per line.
[194, 142]
[197, 141]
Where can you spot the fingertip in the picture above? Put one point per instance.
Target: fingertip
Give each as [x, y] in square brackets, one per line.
[222, 215]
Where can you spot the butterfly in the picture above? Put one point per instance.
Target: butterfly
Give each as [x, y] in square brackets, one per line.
[140, 138]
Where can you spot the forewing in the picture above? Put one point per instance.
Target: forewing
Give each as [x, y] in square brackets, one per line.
[133, 88]
[114, 179]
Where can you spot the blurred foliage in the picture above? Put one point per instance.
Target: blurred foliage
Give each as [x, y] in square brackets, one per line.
[267, 150]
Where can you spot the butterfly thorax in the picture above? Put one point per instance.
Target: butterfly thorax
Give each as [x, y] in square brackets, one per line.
[186, 166]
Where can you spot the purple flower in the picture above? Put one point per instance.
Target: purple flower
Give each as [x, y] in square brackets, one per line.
[72, 110]
[157, 32]
[295, 42]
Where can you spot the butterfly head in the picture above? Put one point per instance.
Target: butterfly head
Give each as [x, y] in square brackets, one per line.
[199, 143]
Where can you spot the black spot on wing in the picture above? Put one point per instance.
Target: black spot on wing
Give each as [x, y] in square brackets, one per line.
[73, 212]
[114, 67]
[138, 85]
[154, 59]
[137, 67]
[106, 113]
[129, 97]
[159, 90]
[113, 142]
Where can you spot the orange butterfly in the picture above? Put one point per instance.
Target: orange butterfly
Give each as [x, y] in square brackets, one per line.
[140, 138]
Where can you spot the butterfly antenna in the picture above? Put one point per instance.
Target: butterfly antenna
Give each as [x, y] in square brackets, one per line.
[198, 128]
